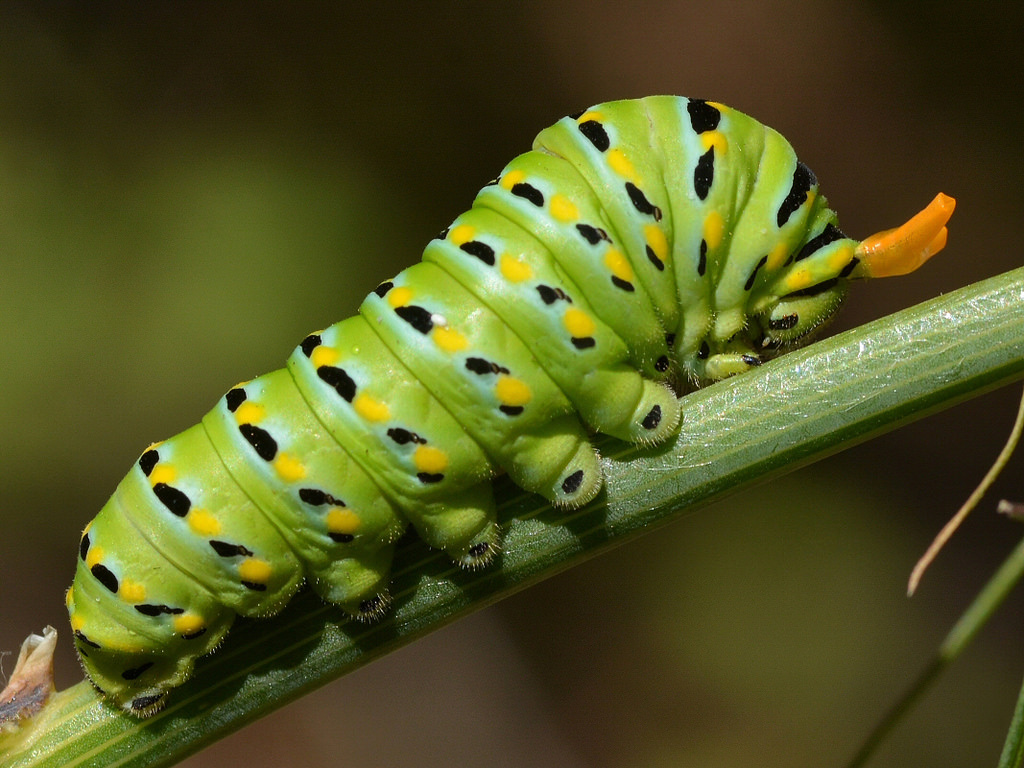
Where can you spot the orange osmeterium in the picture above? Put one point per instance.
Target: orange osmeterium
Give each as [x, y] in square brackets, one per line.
[902, 250]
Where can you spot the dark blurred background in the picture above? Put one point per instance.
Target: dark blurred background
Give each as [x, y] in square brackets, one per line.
[186, 190]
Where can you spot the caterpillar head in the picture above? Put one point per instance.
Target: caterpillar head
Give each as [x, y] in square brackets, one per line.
[805, 293]
[805, 308]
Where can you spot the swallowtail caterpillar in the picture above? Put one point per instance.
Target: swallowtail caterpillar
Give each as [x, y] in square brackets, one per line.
[641, 245]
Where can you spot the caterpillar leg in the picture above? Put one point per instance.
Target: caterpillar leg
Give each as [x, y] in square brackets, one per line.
[464, 525]
[726, 364]
[580, 480]
[482, 548]
[359, 586]
[559, 463]
[652, 419]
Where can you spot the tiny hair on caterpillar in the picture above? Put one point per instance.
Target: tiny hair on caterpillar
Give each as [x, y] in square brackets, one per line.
[642, 247]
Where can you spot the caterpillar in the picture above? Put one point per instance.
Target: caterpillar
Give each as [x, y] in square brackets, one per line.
[641, 247]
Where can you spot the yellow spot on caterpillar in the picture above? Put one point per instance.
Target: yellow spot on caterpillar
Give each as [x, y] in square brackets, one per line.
[250, 413]
[448, 339]
[715, 139]
[720, 107]
[202, 522]
[69, 597]
[399, 297]
[188, 623]
[798, 280]
[511, 391]
[461, 234]
[839, 259]
[289, 468]
[777, 256]
[563, 209]
[342, 521]
[430, 459]
[656, 239]
[618, 265]
[714, 229]
[254, 570]
[94, 556]
[77, 622]
[512, 178]
[578, 323]
[162, 473]
[590, 115]
[132, 591]
[324, 356]
[122, 646]
[515, 270]
[370, 409]
[621, 165]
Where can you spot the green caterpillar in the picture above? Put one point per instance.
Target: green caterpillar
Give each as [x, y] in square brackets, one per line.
[642, 245]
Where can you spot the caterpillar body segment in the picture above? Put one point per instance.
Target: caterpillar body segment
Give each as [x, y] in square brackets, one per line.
[640, 246]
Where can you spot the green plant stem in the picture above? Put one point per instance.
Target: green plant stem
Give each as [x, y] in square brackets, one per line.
[1013, 749]
[806, 405]
[967, 626]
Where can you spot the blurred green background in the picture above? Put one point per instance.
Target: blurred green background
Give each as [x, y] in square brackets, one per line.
[186, 190]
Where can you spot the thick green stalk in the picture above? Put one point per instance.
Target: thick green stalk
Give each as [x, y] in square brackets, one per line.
[806, 405]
